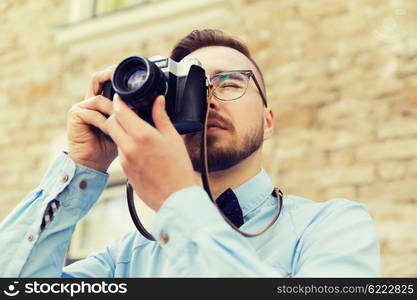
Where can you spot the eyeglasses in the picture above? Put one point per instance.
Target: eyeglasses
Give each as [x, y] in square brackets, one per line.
[231, 85]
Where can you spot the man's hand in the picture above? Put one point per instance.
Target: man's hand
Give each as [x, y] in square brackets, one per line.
[154, 159]
[86, 144]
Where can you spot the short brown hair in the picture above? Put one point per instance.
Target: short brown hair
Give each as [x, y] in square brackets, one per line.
[197, 39]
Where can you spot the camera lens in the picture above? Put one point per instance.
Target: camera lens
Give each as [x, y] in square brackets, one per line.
[139, 81]
[136, 80]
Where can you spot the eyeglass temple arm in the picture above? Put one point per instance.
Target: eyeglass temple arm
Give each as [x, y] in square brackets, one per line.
[260, 90]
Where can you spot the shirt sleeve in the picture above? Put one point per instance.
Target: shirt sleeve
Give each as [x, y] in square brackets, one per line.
[28, 251]
[199, 243]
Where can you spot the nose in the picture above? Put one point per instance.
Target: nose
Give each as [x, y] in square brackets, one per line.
[213, 101]
[213, 104]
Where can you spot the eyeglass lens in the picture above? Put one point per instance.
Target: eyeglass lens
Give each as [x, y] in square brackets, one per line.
[229, 86]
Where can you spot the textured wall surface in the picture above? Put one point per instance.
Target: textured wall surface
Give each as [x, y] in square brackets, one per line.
[341, 77]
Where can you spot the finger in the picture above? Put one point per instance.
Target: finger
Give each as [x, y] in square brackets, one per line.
[91, 117]
[129, 120]
[97, 80]
[160, 117]
[117, 133]
[98, 103]
[126, 145]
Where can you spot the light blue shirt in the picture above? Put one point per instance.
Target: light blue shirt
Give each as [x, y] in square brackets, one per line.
[335, 238]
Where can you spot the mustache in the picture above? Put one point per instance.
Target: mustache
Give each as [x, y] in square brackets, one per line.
[216, 116]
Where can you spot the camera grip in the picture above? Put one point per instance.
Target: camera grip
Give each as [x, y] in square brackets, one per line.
[108, 92]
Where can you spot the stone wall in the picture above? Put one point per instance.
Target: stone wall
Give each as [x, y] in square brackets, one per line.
[341, 77]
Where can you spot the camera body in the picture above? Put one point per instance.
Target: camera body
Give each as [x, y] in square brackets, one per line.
[139, 80]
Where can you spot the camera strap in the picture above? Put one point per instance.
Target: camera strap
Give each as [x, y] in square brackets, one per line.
[277, 193]
[206, 181]
[136, 220]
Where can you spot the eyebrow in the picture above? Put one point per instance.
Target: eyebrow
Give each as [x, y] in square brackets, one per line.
[217, 71]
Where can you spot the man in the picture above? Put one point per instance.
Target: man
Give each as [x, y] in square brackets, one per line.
[333, 239]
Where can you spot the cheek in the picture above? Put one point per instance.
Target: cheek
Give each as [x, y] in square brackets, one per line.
[245, 116]
[248, 117]
[241, 130]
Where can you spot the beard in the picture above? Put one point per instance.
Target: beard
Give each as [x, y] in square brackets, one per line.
[223, 154]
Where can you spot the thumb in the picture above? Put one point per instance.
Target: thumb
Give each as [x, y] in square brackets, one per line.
[160, 116]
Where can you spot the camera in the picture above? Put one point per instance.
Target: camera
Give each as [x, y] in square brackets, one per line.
[139, 80]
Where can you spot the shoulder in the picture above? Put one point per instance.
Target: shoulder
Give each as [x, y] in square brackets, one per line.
[297, 203]
[305, 213]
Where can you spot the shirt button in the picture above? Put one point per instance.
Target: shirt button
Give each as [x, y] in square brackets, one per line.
[163, 238]
[30, 237]
[83, 184]
[64, 178]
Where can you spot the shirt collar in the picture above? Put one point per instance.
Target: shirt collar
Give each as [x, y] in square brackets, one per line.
[254, 191]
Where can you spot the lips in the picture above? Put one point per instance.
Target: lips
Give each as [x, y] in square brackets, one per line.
[213, 123]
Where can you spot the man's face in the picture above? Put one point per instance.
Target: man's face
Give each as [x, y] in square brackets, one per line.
[242, 119]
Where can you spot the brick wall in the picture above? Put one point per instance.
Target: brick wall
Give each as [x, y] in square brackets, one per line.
[341, 77]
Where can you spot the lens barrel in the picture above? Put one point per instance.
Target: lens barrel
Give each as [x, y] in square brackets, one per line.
[138, 81]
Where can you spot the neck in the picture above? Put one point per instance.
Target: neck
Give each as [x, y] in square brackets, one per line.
[234, 176]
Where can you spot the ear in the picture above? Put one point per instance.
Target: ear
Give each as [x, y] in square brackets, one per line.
[269, 118]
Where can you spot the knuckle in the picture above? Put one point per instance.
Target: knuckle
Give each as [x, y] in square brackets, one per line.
[92, 102]
[129, 152]
[95, 75]
[124, 162]
[73, 109]
[95, 98]
[143, 138]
